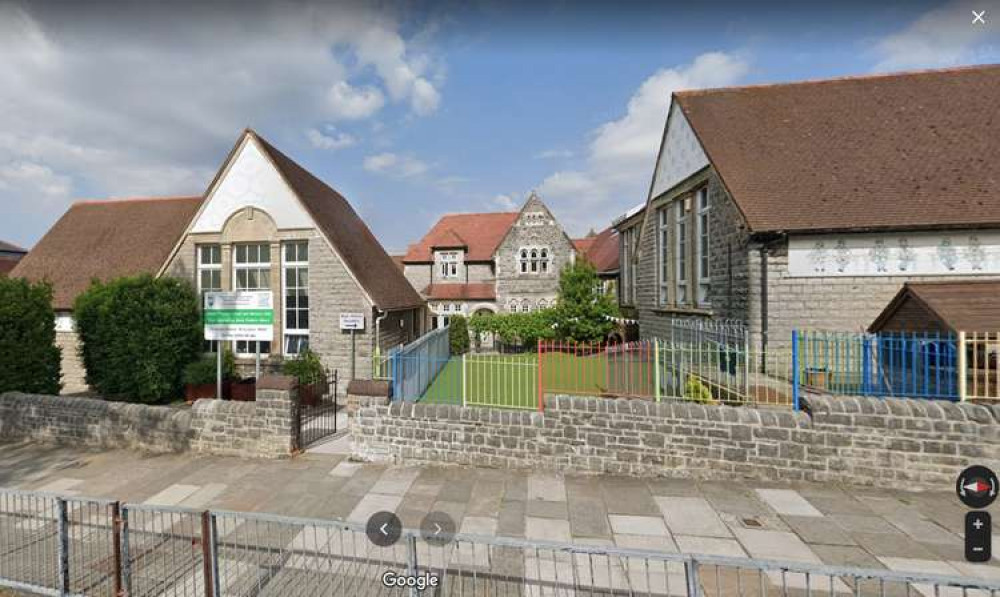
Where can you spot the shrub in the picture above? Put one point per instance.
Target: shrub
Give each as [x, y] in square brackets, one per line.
[138, 334]
[204, 370]
[28, 338]
[306, 368]
[458, 335]
[516, 328]
[583, 313]
[695, 390]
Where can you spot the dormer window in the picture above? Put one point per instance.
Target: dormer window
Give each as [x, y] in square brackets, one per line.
[448, 264]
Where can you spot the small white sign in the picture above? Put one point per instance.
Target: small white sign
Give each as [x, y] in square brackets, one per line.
[352, 321]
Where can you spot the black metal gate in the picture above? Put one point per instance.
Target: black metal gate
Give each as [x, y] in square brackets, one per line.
[317, 412]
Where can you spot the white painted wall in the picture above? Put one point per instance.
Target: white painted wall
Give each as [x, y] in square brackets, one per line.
[895, 254]
[252, 181]
[681, 154]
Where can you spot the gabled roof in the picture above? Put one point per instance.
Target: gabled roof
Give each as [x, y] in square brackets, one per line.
[357, 246]
[478, 233]
[601, 250]
[477, 291]
[969, 306]
[106, 240]
[907, 150]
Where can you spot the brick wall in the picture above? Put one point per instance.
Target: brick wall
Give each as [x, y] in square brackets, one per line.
[851, 440]
[261, 429]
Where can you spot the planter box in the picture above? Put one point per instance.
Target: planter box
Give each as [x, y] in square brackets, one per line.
[194, 392]
[244, 391]
[312, 394]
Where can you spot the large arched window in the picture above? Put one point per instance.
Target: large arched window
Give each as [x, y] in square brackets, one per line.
[523, 261]
[545, 260]
[534, 261]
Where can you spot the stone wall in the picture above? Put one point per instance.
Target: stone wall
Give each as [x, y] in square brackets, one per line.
[74, 376]
[851, 440]
[261, 429]
[93, 423]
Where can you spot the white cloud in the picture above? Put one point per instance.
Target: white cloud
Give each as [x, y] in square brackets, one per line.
[117, 106]
[621, 153]
[944, 36]
[353, 103]
[331, 140]
[505, 202]
[550, 154]
[397, 166]
[29, 176]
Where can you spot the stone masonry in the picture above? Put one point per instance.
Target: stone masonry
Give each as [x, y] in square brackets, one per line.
[74, 376]
[852, 440]
[261, 429]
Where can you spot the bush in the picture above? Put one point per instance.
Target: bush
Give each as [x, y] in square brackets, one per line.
[458, 335]
[306, 368]
[204, 370]
[695, 390]
[138, 334]
[516, 328]
[28, 338]
[583, 312]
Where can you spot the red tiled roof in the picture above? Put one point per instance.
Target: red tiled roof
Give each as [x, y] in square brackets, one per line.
[582, 245]
[905, 150]
[479, 233]
[106, 240]
[7, 264]
[603, 251]
[460, 292]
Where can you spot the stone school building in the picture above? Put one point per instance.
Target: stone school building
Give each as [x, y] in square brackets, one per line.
[265, 223]
[809, 205]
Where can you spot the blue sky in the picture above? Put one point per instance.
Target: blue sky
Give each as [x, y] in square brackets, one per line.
[411, 111]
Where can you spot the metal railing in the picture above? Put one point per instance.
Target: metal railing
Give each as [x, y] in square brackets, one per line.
[74, 546]
[414, 366]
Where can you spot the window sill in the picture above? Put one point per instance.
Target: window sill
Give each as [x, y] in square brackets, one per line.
[707, 311]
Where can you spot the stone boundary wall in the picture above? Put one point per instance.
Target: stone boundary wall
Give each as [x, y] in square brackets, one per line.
[843, 439]
[93, 423]
[261, 429]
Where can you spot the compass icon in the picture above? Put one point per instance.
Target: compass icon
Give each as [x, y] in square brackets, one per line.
[977, 487]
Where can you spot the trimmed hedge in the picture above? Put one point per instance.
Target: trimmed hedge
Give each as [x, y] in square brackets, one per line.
[458, 334]
[28, 338]
[137, 335]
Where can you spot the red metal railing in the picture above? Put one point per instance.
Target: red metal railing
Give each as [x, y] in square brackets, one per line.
[597, 368]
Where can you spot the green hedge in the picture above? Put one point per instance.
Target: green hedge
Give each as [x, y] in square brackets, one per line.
[137, 336]
[28, 338]
[517, 328]
[458, 334]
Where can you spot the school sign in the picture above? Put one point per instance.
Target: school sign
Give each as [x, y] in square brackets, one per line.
[244, 315]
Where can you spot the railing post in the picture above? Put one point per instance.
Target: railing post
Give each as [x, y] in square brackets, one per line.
[538, 373]
[962, 364]
[411, 561]
[214, 545]
[656, 368]
[206, 553]
[691, 576]
[116, 546]
[465, 380]
[795, 369]
[62, 513]
[126, 570]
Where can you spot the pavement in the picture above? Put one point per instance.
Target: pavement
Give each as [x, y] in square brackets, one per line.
[868, 527]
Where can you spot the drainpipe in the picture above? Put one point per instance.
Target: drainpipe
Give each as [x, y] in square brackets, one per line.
[378, 329]
[765, 248]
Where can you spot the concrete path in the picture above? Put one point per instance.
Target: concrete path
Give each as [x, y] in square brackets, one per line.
[819, 523]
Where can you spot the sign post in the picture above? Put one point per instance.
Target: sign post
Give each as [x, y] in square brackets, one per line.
[352, 322]
[241, 315]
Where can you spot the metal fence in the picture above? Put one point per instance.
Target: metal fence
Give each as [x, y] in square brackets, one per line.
[414, 367]
[70, 546]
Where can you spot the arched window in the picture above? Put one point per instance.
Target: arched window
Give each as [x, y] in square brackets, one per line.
[525, 306]
[523, 260]
[534, 261]
[545, 260]
[512, 307]
[542, 304]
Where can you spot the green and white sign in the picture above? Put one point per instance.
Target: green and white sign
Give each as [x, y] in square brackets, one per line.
[242, 315]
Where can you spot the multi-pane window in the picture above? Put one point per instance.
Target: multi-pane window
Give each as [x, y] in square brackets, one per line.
[512, 306]
[533, 260]
[663, 254]
[702, 247]
[522, 260]
[209, 277]
[296, 275]
[544, 259]
[681, 276]
[628, 270]
[448, 262]
[252, 271]
[525, 306]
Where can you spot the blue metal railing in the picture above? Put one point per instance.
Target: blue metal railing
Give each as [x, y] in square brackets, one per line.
[906, 364]
[415, 366]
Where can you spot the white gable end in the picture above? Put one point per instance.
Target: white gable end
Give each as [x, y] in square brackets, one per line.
[251, 180]
[681, 154]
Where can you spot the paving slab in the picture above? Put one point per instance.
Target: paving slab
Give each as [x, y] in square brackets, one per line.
[479, 525]
[547, 509]
[345, 468]
[628, 496]
[646, 542]
[372, 503]
[626, 524]
[892, 545]
[588, 518]
[820, 530]
[710, 546]
[546, 486]
[547, 529]
[511, 521]
[172, 496]
[395, 480]
[691, 516]
[775, 545]
[923, 530]
[788, 502]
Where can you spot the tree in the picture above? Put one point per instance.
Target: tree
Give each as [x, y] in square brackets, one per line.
[28, 338]
[583, 313]
[137, 336]
[458, 335]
